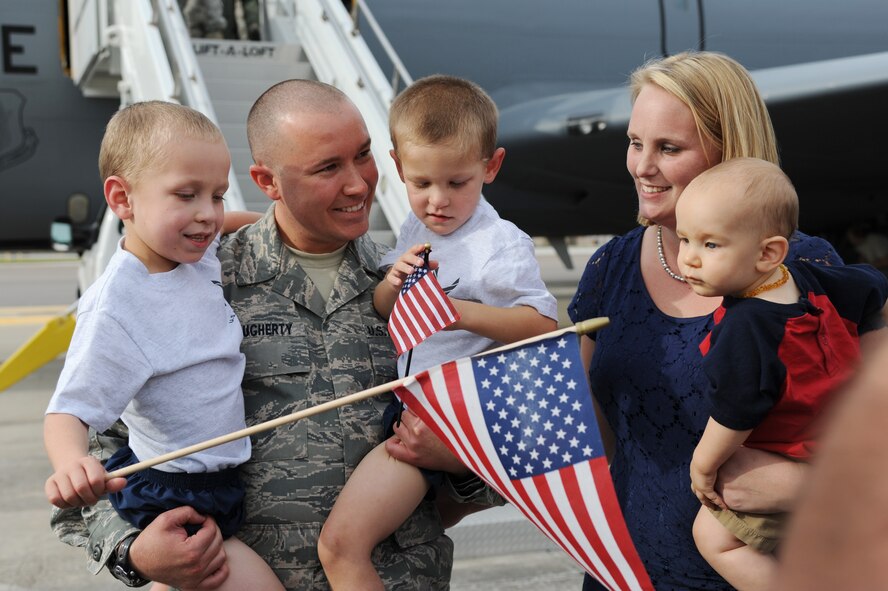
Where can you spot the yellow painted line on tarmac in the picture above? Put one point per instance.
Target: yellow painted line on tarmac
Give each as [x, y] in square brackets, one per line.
[25, 320]
[29, 315]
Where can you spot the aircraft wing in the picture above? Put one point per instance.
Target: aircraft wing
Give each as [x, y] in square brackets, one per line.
[565, 173]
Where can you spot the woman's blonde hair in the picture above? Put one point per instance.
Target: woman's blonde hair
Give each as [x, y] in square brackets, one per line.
[727, 107]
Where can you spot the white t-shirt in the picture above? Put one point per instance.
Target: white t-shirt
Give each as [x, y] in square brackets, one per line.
[487, 260]
[162, 352]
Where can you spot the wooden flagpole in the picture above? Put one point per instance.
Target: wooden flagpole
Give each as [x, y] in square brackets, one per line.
[583, 327]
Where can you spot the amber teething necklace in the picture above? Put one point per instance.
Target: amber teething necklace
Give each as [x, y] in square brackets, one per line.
[784, 277]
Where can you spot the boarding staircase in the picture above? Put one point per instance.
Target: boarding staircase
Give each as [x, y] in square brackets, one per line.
[140, 50]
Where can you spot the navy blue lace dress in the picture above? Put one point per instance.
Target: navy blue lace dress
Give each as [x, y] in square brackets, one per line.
[646, 374]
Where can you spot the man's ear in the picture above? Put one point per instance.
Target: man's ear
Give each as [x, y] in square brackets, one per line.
[397, 160]
[264, 178]
[494, 164]
[773, 252]
[117, 195]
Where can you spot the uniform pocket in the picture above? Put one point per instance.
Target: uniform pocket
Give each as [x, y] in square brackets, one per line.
[275, 385]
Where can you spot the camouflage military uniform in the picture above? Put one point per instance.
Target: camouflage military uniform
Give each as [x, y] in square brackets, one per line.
[302, 352]
[204, 18]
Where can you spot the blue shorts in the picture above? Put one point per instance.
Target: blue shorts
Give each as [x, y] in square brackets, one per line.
[150, 492]
[435, 478]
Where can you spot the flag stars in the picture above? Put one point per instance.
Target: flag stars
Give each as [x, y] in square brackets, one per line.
[530, 401]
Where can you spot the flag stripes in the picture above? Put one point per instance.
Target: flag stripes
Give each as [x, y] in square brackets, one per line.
[421, 310]
[574, 504]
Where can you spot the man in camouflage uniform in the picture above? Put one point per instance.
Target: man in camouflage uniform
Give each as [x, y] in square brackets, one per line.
[304, 346]
[204, 18]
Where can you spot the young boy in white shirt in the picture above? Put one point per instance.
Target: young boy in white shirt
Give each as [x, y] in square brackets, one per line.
[443, 130]
[155, 343]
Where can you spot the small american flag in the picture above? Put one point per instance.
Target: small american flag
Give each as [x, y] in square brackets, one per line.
[522, 419]
[421, 310]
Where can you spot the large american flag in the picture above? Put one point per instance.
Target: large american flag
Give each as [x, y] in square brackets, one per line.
[421, 310]
[522, 419]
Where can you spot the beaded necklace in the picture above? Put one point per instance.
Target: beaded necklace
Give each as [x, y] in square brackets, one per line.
[666, 268]
[784, 277]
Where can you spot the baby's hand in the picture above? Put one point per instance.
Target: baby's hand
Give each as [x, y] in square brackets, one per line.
[703, 486]
[80, 482]
[404, 265]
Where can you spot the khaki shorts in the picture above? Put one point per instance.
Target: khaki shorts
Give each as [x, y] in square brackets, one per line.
[759, 531]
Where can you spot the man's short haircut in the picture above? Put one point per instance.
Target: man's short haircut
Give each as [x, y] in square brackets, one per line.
[770, 204]
[445, 109]
[282, 99]
[137, 137]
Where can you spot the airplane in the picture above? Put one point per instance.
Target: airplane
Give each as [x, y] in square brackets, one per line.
[49, 131]
[558, 73]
